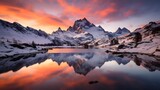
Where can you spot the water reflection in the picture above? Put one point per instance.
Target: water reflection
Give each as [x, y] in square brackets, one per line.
[81, 62]
[75, 70]
[18, 61]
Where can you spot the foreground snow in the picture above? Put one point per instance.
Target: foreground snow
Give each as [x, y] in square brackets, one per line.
[8, 49]
[151, 48]
[150, 43]
[146, 47]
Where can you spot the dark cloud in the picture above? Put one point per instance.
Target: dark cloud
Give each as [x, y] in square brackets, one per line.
[56, 19]
[121, 9]
[15, 3]
[134, 8]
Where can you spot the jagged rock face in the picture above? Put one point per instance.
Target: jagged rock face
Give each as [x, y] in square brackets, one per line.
[80, 24]
[114, 41]
[83, 25]
[137, 37]
[69, 28]
[152, 28]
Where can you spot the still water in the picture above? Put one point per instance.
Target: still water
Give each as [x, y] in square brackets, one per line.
[79, 69]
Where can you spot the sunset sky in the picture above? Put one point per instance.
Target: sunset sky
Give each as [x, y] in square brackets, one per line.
[48, 15]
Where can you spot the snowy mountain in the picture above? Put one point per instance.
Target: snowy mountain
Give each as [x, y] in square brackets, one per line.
[83, 25]
[82, 32]
[17, 39]
[16, 32]
[70, 38]
[152, 28]
[121, 31]
[143, 40]
[80, 25]
[149, 32]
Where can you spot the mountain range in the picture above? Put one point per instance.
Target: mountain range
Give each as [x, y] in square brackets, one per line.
[83, 25]
[80, 33]
[83, 32]
[16, 32]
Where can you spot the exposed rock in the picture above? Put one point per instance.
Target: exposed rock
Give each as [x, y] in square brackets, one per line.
[114, 41]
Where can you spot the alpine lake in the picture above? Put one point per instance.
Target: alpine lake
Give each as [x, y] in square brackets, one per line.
[80, 69]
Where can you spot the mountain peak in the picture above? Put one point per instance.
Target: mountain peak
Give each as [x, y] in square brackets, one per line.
[124, 28]
[119, 28]
[101, 28]
[84, 19]
[80, 24]
[59, 29]
[121, 31]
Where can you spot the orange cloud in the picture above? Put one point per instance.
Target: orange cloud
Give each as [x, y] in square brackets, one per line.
[32, 18]
[28, 16]
[106, 12]
[72, 9]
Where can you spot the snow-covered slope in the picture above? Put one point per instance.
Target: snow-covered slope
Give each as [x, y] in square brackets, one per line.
[16, 32]
[64, 38]
[149, 43]
[17, 39]
[71, 38]
[149, 32]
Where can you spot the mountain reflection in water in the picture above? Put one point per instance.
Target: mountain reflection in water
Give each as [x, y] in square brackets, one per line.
[83, 63]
